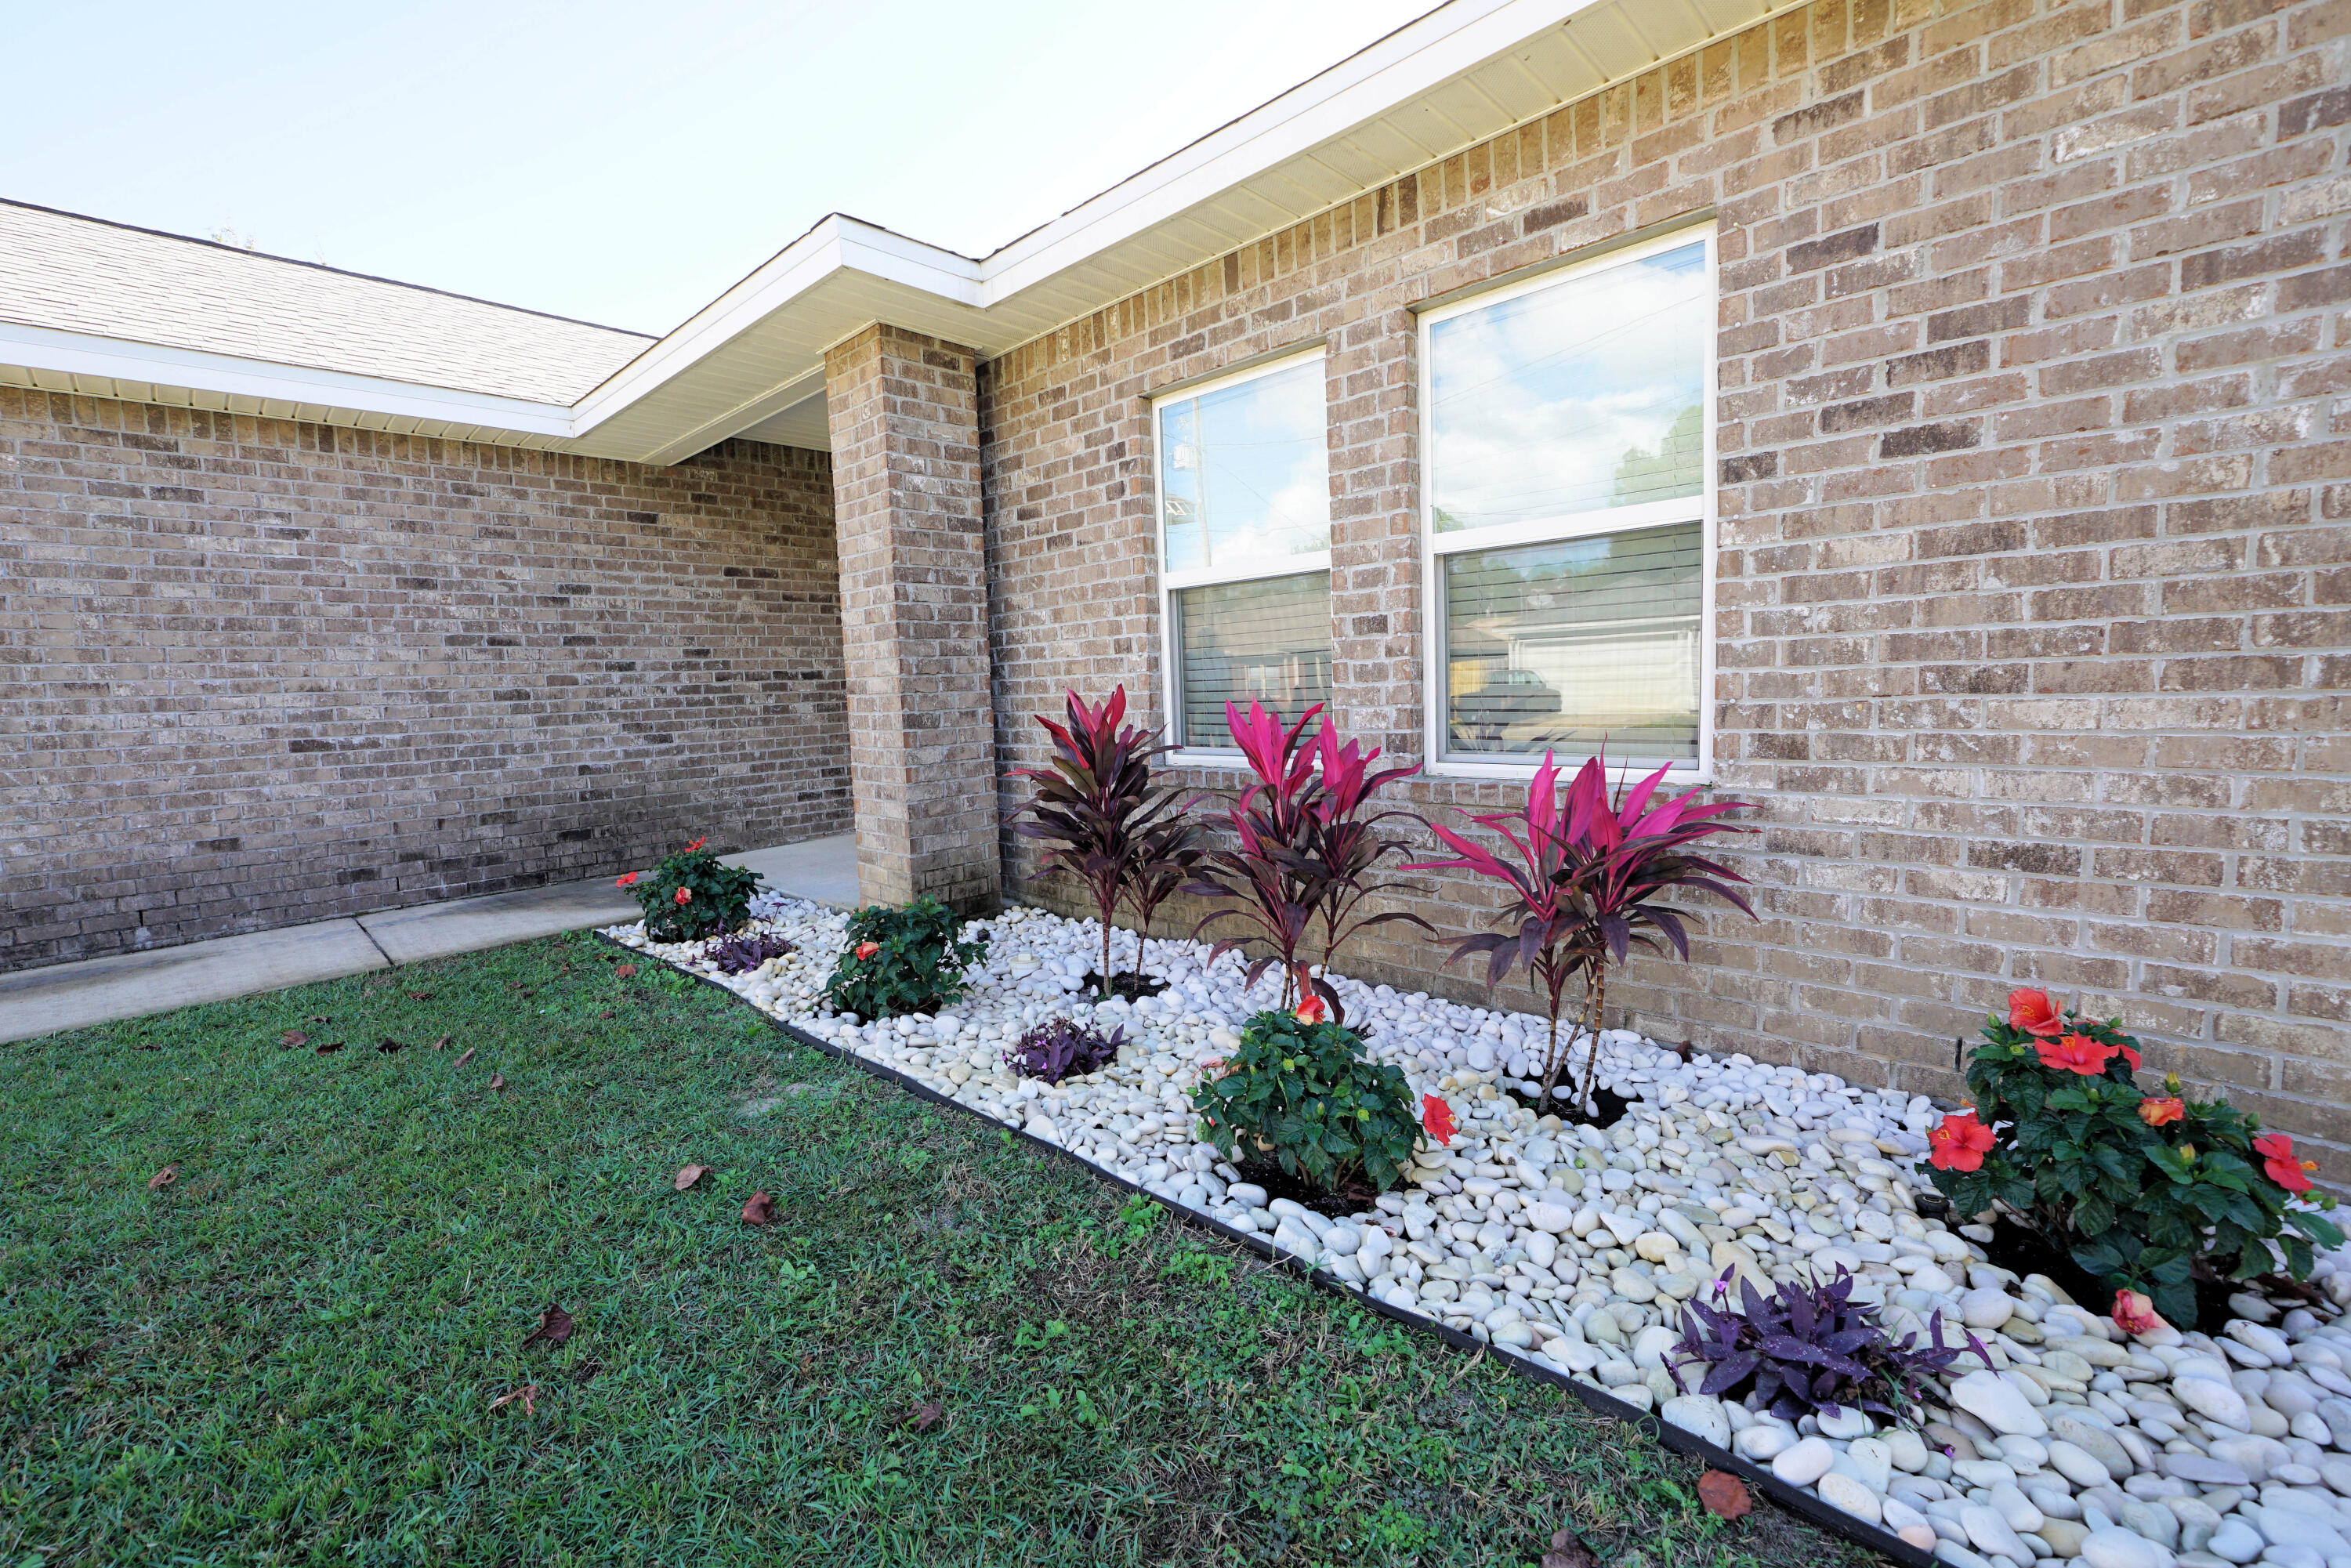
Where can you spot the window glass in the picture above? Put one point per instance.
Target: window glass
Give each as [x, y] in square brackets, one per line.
[1573, 399]
[1245, 472]
[1267, 639]
[1569, 644]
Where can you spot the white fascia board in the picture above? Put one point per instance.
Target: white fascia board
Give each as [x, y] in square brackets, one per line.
[838, 243]
[233, 376]
[1414, 58]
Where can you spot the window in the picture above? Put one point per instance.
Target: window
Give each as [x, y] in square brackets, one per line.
[1245, 547]
[1569, 497]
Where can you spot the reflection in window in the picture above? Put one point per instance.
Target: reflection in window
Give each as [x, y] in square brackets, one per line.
[1576, 398]
[1245, 472]
[1568, 643]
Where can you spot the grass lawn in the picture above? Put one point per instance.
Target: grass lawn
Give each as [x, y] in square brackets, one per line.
[289, 1354]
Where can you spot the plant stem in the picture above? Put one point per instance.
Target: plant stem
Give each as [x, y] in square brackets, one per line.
[1595, 989]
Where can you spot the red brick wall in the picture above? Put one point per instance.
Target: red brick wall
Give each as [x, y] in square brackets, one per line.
[259, 671]
[2034, 592]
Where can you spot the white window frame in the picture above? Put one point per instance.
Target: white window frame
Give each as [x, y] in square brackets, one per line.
[1435, 546]
[1171, 583]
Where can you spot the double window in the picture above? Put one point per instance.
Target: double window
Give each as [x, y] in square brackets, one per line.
[1245, 546]
[1568, 502]
[1567, 496]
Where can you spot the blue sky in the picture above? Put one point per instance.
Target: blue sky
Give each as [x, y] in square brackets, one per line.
[624, 163]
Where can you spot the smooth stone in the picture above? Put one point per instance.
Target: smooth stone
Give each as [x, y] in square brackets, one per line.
[2096, 1441]
[1845, 1424]
[2064, 1536]
[1552, 1218]
[1804, 1462]
[2204, 1471]
[2000, 1404]
[2214, 1399]
[1840, 1491]
[1763, 1442]
[2158, 1524]
[2012, 1505]
[1868, 1461]
[1908, 1448]
[1991, 1534]
[2115, 1548]
[1699, 1415]
[1986, 1309]
[1248, 1195]
[2078, 1464]
[2236, 1540]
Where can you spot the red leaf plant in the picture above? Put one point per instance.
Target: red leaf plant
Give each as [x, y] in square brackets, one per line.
[1307, 851]
[1105, 824]
[1583, 886]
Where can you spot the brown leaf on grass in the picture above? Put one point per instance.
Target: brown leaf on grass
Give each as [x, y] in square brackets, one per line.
[925, 1416]
[688, 1175]
[319, 1018]
[292, 1037]
[331, 1047]
[1568, 1552]
[554, 1326]
[162, 1178]
[608, 1013]
[439, 1044]
[467, 1057]
[388, 1045]
[758, 1208]
[1724, 1494]
[528, 1393]
[421, 995]
[622, 971]
[497, 1082]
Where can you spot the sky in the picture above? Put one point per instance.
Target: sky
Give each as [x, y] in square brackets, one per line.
[625, 163]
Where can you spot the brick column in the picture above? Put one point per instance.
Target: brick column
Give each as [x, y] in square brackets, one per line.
[904, 411]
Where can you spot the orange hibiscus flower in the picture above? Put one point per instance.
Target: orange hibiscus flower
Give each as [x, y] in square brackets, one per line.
[2075, 1053]
[2156, 1113]
[2034, 1013]
[1959, 1143]
[2278, 1159]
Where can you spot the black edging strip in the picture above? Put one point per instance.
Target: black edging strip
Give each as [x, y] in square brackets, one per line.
[1797, 1500]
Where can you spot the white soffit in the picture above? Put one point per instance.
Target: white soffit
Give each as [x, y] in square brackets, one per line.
[752, 361]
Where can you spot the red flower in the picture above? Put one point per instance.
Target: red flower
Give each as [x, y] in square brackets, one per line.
[2156, 1113]
[2130, 1054]
[867, 949]
[624, 881]
[1438, 1117]
[1959, 1143]
[686, 896]
[1314, 1009]
[2034, 1013]
[695, 845]
[2277, 1158]
[2134, 1313]
[2075, 1053]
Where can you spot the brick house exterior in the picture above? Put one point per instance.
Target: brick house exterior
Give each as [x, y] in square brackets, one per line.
[2032, 577]
[266, 671]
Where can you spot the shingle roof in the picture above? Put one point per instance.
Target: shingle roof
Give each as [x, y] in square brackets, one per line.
[76, 274]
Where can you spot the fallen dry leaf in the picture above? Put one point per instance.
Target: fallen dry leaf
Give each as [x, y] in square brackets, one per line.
[437, 1044]
[688, 1175]
[1724, 1494]
[331, 1047]
[927, 1415]
[1568, 1552]
[554, 1326]
[422, 996]
[389, 1045]
[608, 1013]
[758, 1208]
[624, 970]
[467, 1057]
[497, 1082]
[292, 1037]
[319, 1018]
[162, 1178]
[528, 1393]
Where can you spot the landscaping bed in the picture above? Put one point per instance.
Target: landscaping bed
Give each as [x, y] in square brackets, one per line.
[310, 1344]
[1572, 1248]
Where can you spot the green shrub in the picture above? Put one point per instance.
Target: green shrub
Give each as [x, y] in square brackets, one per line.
[2148, 1193]
[1303, 1092]
[693, 895]
[908, 960]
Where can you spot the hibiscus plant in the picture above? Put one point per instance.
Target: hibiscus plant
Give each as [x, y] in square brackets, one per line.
[1103, 822]
[692, 894]
[2150, 1193]
[1307, 848]
[1582, 878]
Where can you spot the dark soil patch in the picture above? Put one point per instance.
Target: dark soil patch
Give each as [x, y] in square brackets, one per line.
[1610, 1105]
[1126, 983]
[1330, 1204]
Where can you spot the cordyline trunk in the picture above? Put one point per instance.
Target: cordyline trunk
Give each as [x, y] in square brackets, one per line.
[1595, 996]
[1107, 990]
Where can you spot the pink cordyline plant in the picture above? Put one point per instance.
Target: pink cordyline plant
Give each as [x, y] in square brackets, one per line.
[1307, 854]
[1583, 888]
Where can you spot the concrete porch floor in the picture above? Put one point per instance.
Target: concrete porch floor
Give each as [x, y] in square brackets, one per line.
[129, 984]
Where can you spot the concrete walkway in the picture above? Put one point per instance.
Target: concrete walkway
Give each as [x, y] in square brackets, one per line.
[129, 984]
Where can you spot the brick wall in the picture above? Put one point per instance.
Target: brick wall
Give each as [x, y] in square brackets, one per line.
[2034, 587]
[260, 672]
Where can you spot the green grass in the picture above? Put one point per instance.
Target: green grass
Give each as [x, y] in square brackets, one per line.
[289, 1354]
